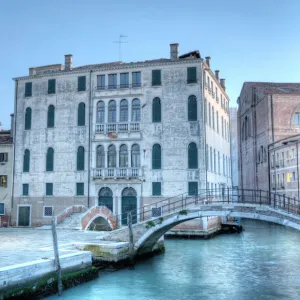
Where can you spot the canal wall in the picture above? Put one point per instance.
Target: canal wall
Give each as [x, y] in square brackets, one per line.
[39, 276]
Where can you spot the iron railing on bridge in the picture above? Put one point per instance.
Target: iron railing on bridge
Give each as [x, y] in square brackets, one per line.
[212, 196]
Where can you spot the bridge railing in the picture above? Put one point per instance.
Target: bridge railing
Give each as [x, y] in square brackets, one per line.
[211, 196]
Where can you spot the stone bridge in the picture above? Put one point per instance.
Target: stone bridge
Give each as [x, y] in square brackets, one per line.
[147, 233]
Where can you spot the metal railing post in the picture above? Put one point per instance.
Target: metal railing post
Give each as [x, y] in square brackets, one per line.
[274, 199]
[288, 205]
[260, 197]
[283, 200]
[228, 194]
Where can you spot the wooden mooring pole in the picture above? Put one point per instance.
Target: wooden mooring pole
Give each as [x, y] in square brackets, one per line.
[56, 255]
[131, 245]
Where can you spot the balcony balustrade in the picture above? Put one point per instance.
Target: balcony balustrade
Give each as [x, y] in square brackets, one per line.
[121, 86]
[117, 127]
[103, 173]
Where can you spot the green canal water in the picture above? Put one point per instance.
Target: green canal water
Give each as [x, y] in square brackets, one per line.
[263, 262]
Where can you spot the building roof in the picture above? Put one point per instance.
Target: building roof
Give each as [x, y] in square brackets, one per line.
[276, 87]
[5, 137]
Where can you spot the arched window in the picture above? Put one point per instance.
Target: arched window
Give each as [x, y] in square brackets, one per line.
[217, 121]
[156, 156]
[215, 164]
[156, 110]
[112, 110]
[80, 158]
[26, 161]
[135, 156]
[222, 121]
[243, 131]
[51, 116]
[100, 112]
[111, 156]
[192, 156]
[192, 108]
[246, 128]
[123, 156]
[100, 160]
[124, 111]
[136, 110]
[297, 117]
[28, 118]
[81, 114]
[50, 159]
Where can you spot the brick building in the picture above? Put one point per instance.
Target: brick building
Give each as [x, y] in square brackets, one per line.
[6, 165]
[267, 114]
[118, 134]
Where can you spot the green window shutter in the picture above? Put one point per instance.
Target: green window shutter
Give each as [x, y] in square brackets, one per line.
[192, 108]
[1, 208]
[156, 157]
[191, 75]
[51, 86]
[156, 77]
[156, 110]
[81, 83]
[80, 189]
[50, 159]
[25, 189]
[81, 114]
[156, 188]
[49, 189]
[28, 118]
[28, 89]
[80, 159]
[193, 156]
[193, 188]
[51, 116]
[26, 161]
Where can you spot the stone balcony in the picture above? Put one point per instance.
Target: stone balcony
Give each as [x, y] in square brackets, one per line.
[127, 173]
[119, 90]
[117, 127]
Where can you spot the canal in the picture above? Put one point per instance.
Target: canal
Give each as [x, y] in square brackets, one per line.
[263, 262]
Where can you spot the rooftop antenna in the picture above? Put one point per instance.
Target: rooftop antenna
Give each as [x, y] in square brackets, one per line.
[120, 41]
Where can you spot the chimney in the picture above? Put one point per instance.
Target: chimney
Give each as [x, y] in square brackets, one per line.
[222, 81]
[217, 74]
[174, 51]
[32, 71]
[207, 59]
[68, 61]
[11, 125]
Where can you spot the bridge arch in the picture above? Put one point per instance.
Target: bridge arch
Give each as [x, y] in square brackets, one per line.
[147, 241]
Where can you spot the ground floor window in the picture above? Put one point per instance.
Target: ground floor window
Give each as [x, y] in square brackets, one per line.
[156, 188]
[193, 188]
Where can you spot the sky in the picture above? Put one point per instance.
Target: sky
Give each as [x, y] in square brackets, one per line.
[247, 40]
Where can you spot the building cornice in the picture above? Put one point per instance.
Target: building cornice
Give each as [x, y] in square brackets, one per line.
[115, 67]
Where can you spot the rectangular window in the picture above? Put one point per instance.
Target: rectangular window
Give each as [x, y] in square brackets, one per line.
[1, 208]
[156, 188]
[156, 77]
[81, 83]
[193, 188]
[80, 189]
[28, 89]
[3, 181]
[124, 80]
[191, 75]
[3, 157]
[112, 81]
[294, 176]
[25, 189]
[51, 86]
[49, 189]
[101, 82]
[136, 79]
[48, 211]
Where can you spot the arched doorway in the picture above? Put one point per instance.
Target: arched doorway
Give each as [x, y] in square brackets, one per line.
[129, 203]
[106, 198]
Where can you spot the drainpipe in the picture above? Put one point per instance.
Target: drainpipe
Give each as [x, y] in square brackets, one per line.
[14, 150]
[230, 147]
[204, 104]
[89, 147]
[272, 118]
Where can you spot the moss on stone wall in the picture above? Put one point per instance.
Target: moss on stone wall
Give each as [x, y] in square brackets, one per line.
[47, 285]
